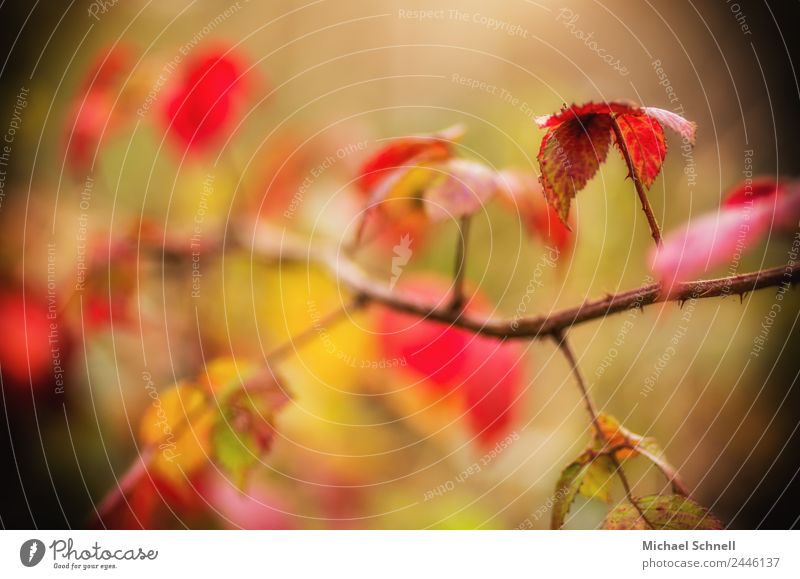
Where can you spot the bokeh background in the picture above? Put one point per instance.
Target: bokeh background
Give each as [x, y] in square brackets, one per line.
[364, 447]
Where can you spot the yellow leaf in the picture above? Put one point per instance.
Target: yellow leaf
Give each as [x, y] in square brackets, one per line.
[178, 425]
[614, 434]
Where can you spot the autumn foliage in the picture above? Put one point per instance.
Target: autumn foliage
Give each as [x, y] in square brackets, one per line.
[218, 424]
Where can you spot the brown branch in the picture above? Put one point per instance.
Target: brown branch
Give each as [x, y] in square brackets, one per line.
[563, 345]
[283, 246]
[655, 231]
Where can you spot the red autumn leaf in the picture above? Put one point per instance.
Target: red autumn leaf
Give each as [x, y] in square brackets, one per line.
[96, 110]
[151, 500]
[521, 192]
[570, 155]
[646, 144]
[577, 142]
[202, 106]
[748, 214]
[405, 152]
[757, 191]
[435, 352]
[577, 112]
[417, 180]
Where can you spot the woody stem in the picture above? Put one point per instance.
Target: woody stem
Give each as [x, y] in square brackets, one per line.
[655, 231]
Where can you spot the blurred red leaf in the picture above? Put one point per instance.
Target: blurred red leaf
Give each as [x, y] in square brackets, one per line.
[415, 180]
[493, 387]
[25, 350]
[522, 192]
[407, 152]
[96, 111]
[483, 372]
[748, 213]
[433, 351]
[202, 106]
[464, 187]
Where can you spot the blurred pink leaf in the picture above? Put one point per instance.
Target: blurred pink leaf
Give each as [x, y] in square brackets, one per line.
[748, 214]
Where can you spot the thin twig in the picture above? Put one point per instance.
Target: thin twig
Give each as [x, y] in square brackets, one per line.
[561, 341]
[565, 348]
[655, 231]
[457, 301]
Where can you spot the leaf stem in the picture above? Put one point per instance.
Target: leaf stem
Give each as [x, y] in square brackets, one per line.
[561, 340]
[655, 231]
[459, 271]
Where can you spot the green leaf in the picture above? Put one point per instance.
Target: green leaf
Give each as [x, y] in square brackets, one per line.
[245, 431]
[235, 452]
[597, 479]
[566, 490]
[663, 512]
